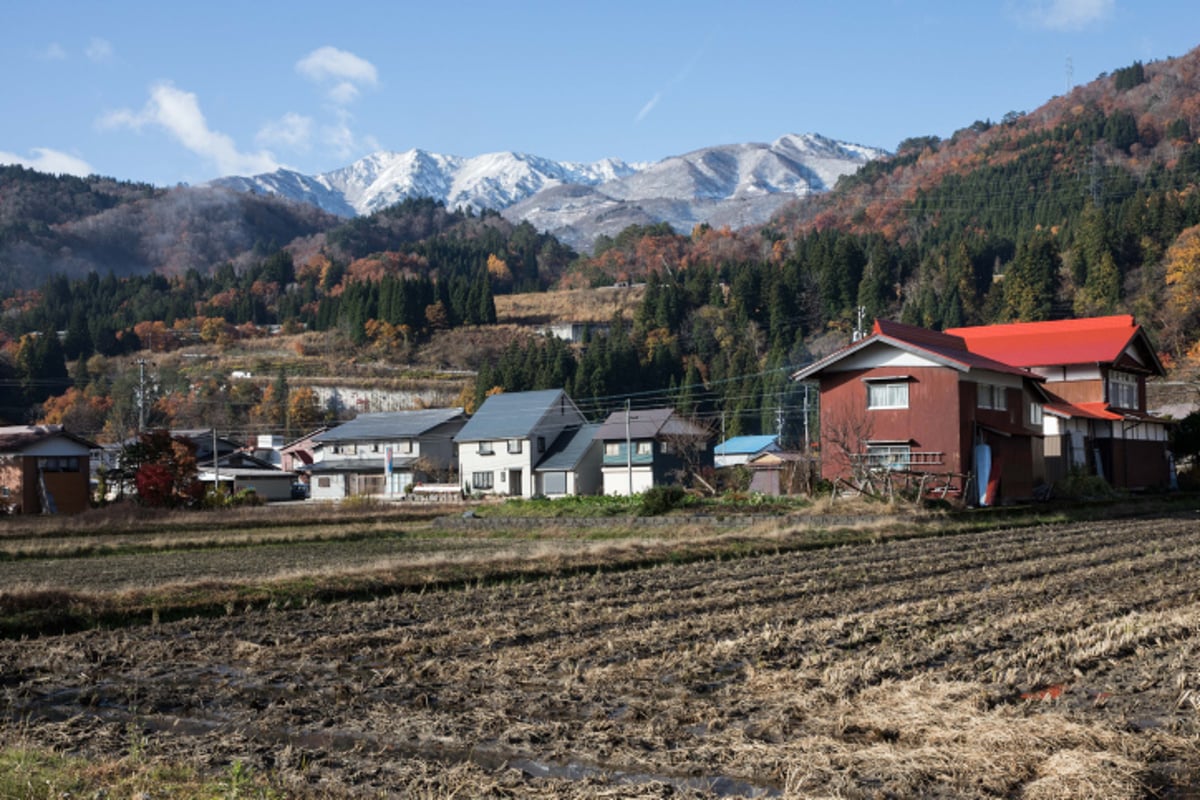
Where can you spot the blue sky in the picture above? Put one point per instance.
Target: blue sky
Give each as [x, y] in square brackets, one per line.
[168, 92]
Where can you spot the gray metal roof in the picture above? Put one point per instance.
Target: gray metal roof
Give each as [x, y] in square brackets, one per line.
[359, 465]
[649, 423]
[389, 425]
[569, 449]
[512, 415]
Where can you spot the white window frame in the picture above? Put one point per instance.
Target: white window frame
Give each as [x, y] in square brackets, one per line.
[485, 449]
[514, 446]
[1036, 415]
[483, 480]
[887, 394]
[889, 456]
[612, 448]
[1122, 387]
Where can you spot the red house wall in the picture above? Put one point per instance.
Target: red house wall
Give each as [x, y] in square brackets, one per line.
[931, 420]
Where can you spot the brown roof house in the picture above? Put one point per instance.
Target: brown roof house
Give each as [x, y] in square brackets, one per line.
[44, 470]
[910, 400]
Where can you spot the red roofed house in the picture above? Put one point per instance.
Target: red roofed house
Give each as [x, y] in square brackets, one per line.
[907, 398]
[1095, 372]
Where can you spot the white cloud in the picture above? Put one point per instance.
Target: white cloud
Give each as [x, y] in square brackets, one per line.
[99, 50]
[54, 162]
[292, 131]
[344, 73]
[1068, 15]
[679, 77]
[54, 52]
[178, 113]
[646, 109]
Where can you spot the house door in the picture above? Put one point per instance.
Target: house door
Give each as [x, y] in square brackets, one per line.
[514, 483]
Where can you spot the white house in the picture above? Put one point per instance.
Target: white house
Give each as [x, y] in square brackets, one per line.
[502, 444]
[382, 454]
[650, 447]
[571, 465]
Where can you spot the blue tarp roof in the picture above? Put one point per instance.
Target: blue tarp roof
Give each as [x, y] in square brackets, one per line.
[742, 445]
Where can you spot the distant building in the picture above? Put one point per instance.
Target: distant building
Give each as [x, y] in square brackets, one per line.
[650, 447]
[237, 472]
[44, 470]
[382, 454]
[1095, 371]
[740, 449]
[504, 442]
[907, 399]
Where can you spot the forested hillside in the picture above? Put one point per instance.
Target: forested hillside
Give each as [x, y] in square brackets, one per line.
[1087, 205]
[55, 226]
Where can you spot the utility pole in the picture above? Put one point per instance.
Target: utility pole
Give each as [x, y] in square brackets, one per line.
[216, 462]
[859, 326]
[628, 449]
[141, 394]
[806, 442]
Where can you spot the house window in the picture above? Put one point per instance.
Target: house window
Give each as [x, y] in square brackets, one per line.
[1122, 390]
[612, 448]
[993, 397]
[59, 464]
[514, 446]
[644, 448]
[323, 483]
[1035, 414]
[541, 444]
[404, 446]
[889, 456]
[481, 480]
[887, 395]
[485, 449]
[350, 449]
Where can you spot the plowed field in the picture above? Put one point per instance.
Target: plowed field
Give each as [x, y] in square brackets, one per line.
[1057, 661]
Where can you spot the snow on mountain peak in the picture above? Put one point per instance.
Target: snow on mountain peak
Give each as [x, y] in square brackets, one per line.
[692, 187]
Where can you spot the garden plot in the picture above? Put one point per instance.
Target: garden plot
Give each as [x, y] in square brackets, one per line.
[1059, 661]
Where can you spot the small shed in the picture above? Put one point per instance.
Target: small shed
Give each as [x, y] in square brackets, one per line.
[778, 473]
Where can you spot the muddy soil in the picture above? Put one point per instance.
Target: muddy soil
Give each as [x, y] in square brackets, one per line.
[1060, 661]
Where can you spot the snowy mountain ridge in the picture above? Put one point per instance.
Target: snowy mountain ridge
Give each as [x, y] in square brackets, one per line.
[737, 185]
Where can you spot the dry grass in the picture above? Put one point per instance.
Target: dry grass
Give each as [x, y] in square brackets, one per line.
[1045, 663]
[574, 305]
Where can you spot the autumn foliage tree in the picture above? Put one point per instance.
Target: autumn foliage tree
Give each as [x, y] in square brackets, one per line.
[1181, 309]
[164, 470]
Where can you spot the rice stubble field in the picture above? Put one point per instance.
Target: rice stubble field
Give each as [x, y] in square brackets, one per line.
[1050, 661]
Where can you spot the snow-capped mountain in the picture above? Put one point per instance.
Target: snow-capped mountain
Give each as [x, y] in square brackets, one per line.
[735, 185]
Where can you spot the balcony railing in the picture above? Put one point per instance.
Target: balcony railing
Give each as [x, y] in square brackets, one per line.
[900, 461]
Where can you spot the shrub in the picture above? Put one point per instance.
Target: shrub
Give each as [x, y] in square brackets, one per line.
[1078, 485]
[660, 499]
